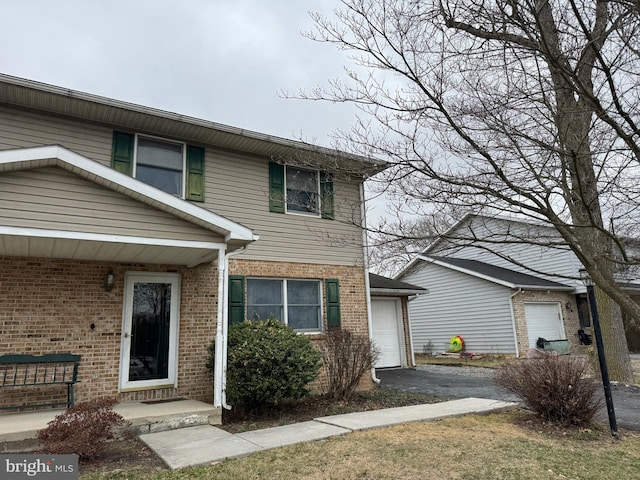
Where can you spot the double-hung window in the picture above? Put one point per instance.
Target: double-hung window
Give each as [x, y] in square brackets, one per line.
[161, 164]
[302, 190]
[295, 302]
[299, 190]
[168, 165]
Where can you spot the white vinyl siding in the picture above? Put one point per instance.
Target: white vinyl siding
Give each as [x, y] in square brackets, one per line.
[460, 304]
[236, 187]
[54, 199]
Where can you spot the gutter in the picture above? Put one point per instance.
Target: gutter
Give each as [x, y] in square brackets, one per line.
[367, 285]
[394, 292]
[101, 101]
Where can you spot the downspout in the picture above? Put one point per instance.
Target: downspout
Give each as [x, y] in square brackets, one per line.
[513, 321]
[367, 286]
[219, 354]
[225, 325]
[222, 321]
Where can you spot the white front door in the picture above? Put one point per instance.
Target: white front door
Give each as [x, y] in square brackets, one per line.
[543, 320]
[150, 330]
[387, 330]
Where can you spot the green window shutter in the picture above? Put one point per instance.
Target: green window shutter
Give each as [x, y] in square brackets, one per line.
[326, 195]
[122, 152]
[276, 188]
[195, 174]
[333, 302]
[236, 299]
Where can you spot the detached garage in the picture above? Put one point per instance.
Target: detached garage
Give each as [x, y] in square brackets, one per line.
[390, 320]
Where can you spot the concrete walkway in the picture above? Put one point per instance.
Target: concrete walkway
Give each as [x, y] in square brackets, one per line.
[18, 431]
[207, 444]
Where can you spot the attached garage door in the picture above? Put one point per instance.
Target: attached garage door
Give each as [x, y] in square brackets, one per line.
[387, 332]
[543, 320]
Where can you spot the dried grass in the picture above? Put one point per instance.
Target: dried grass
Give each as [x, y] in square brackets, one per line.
[502, 446]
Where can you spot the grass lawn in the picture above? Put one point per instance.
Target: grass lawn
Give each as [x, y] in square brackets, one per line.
[509, 446]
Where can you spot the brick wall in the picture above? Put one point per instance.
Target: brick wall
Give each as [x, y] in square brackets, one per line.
[353, 306]
[49, 306]
[569, 315]
[405, 326]
[353, 300]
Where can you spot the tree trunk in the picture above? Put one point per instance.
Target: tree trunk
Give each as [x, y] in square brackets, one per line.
[616, 351]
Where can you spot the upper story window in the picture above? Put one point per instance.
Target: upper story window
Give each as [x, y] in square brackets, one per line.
[303, 190]
[299, 190]
[171, 166]
[161, 164]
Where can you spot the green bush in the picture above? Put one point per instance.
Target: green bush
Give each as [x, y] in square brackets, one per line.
[268, 362]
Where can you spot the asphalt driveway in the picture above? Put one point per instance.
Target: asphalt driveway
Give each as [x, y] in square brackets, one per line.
[461, 382]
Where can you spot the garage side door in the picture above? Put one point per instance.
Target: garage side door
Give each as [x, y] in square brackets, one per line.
[386, 332]
[544, 320]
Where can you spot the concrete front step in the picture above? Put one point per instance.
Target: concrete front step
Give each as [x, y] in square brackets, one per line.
[18, 431]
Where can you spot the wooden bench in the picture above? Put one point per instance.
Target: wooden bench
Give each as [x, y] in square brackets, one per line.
[36, 370]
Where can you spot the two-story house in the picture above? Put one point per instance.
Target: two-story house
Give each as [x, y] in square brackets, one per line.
[133, 237]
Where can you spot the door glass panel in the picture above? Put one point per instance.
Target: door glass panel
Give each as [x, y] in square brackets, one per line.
[150, 329]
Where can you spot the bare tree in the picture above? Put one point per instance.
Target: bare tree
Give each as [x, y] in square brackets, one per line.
[528, 107]
[394, 240]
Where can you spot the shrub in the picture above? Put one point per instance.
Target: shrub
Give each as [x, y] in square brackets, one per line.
[82, 429]
[268, 362]
[556, 388]
[346, 357]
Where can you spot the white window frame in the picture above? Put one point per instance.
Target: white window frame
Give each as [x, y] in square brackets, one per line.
[285, 304]
[183, 146]
[316, 214]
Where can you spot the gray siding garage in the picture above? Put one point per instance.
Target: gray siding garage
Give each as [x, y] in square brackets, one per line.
[460, 304]
[494, 309]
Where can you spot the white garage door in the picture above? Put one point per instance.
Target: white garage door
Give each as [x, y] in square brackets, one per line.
[387, 328]
[543, 320]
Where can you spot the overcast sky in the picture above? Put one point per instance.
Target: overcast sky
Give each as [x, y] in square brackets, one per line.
[219, 60]
[223, 61]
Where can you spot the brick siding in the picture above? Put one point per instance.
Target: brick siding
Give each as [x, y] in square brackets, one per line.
[49, 306]
[568, 309]
[353, 300]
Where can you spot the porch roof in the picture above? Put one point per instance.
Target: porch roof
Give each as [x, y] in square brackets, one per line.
[214, 231]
